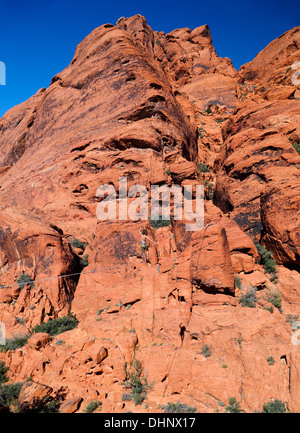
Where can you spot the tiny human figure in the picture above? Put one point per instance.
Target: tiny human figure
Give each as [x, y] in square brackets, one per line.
[144, 245]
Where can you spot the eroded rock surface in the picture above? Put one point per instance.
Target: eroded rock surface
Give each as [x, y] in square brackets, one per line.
[157, 109]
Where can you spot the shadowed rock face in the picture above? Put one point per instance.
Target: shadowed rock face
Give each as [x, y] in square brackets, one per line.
[158, 109]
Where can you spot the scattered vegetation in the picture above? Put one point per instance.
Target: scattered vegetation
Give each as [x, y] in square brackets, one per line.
[237, 282]
[84, 260]
[77, 243]
[290, 318]
[209, 189]
[57, 326]
[92, 406]
[240, 339]
[159, 223]
[9, 393]
[24, 279]
[135, 381]
[266, 259]
[206, 350]
[14, 343]
[248, 299]
[270, 309]
[200, 132]
[203, 168]
[271, 360]
[126, 397]
[3, 371]
[296, 146]
[233, 406]
[274, 406]
[274, 298]
[178, 408]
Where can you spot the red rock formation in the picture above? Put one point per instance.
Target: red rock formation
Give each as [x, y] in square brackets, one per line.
[158, 109]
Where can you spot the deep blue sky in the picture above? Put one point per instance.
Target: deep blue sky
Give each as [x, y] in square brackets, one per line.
[38, 38]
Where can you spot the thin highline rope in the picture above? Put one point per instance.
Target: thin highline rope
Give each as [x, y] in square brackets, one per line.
[63, 276]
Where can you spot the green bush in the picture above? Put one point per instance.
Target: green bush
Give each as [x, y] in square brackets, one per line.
[237, 282]
[271, 360]
[248, 299]
[14, 343]
[92, 406]
[3, 371]
[24, 279]
[206, 351]
[296, 146]
[57, 326]
[203, 168]
[276, 406]
[76, 243]
[126, 397]
[84, 260]
[209, 189]
[178, 408]
[160, 222]
[266, 259]
[136, 382]
[233, 406]
[275, 299]
[9, 393]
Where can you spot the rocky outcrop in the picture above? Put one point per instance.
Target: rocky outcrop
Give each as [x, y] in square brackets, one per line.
[158, 109]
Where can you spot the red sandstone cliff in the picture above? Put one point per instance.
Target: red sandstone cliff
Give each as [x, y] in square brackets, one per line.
[152, 107]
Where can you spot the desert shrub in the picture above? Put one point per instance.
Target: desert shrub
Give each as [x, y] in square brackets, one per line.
[274, 406]
[126, 397]
[271, 360]
[274, 298]
[206, 351]
[92, 406]
[160, 222]
[237, 282]
[203, 168]
[200, 132]
[266, 259]
[136, 382]
[233, 406]
[84, 260]
[24, 279]
[209, 189]
[57, 326]
[296, 146]
[77, 243]
[9, 393]
[178, 408]
[14, 343]
[248, 299]
[3, 371]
